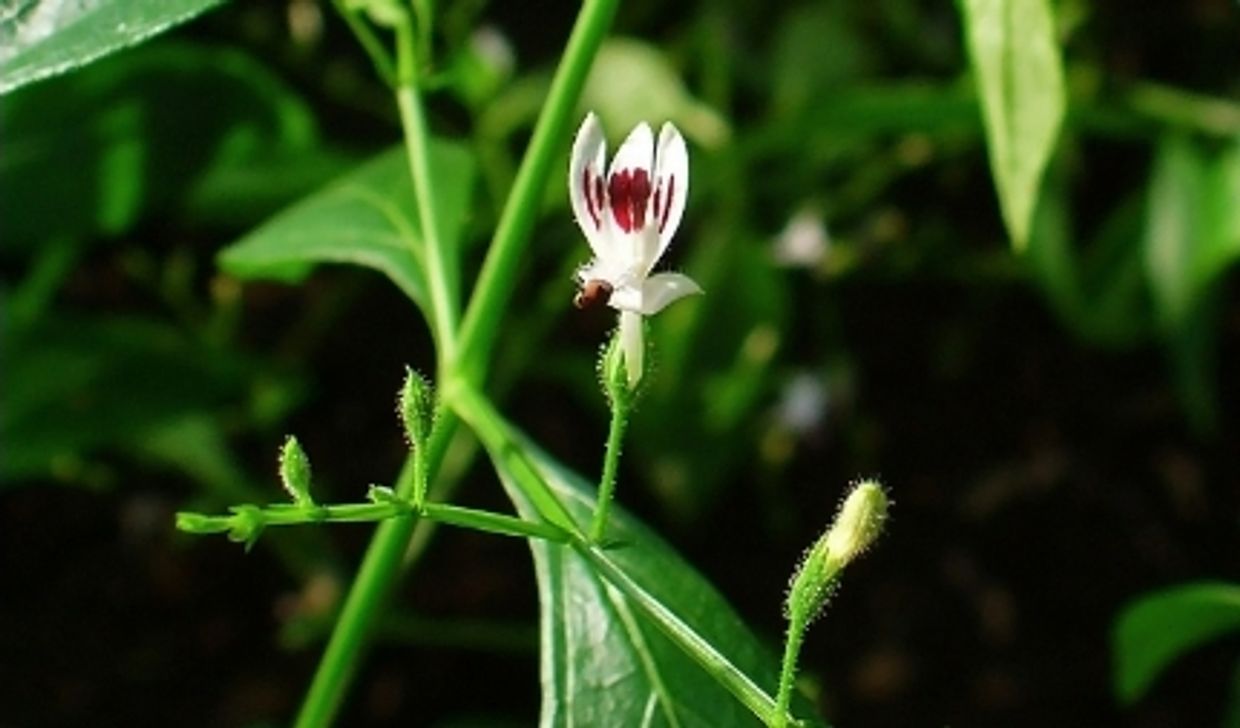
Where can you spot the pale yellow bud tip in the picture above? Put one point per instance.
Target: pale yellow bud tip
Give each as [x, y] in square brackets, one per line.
[860, 520]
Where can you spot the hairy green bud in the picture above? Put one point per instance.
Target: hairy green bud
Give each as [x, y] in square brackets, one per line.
[416, 405]
[295, 472]
[856, 526]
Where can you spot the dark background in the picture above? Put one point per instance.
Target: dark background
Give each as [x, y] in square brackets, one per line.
[1041, 481]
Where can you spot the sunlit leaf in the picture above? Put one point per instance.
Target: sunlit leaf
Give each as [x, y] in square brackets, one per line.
[604, 662]
[1155, 630]
[366, 218]
[1020, 80]
[42, 38]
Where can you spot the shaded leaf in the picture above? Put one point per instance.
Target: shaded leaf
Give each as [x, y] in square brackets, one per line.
[1191, 237]
[365, 218]
[1098, 289]
[632, 81]
[94, 152]
[73, 385]
[604, 661]
[1020, 80]
[1156, 629]
[41, 39]
[1173, 228]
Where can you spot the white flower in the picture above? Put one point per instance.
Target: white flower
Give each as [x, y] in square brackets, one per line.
[629, 216]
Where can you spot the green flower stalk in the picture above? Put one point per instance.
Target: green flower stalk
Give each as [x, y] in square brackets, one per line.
[857, 524]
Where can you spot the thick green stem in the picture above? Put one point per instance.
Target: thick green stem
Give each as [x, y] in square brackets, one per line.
[468, 360]
[509, 456]
[498, 278]
[375, 578]
[611, 462]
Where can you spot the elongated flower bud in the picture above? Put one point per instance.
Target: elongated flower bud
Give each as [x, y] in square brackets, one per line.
[295, 472]
[857, 524]
[860, 520]
[416, 404]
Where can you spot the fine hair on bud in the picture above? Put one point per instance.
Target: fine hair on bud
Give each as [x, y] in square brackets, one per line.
[416, 406]
[859, 521]
[295, 471]
[857, 524]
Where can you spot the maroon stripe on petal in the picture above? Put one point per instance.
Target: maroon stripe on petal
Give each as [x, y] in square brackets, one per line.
[591, 204]
[667, 204]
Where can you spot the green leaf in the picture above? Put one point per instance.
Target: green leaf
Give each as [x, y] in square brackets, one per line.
[1191, 237]
[1157, 628]
[632, 81]
[365, 218]
[1173, 228]
[41, 39]
[1020, 79]
[77, 384]
[94, 152]
[605, 659]
[1097, 288]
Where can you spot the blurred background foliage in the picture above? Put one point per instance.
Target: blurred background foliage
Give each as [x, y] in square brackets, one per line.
[1058, 425]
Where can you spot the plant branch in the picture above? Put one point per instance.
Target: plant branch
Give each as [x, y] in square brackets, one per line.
[442, 270]
[498, 278]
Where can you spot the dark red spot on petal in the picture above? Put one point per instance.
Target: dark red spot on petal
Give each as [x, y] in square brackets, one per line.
[629, 193]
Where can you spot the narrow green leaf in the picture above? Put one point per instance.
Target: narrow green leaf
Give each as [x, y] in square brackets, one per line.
[1191, 237]
[1019, 75]
[366, 218]
[1173, 228]
[605, 661]
[1220, 246]
[41, 39]
[1157, 628]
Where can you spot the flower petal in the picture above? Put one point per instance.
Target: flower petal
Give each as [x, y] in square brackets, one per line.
[632, 345]
[671, 189]
[587, 187]
[629, 188]
[663, 289]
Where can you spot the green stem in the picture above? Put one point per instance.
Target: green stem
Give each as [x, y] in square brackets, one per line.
[492, 292]
[295, 515]
[375, 577]
[496, 523]
[787, 674]
[379, 56]
[498, 277]
[508, 455]
[442, 273]
[611, 461]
